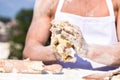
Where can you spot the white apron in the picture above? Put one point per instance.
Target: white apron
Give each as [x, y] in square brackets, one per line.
[95, 30]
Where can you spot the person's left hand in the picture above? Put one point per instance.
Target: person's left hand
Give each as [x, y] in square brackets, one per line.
[71, 33]
[76, 37]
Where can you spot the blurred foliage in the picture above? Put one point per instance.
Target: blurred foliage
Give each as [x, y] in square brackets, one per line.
[4, 37]
[18, 33]
[4, 19]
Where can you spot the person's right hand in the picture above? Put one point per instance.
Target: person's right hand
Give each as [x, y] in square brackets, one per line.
[71, 33]
[53, 55]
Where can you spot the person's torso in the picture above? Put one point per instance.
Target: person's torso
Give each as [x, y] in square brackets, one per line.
[95, 30]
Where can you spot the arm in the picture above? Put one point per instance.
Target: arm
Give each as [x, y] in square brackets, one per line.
[39, 33]
[108, 55]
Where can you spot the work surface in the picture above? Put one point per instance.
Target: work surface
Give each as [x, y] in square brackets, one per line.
[66, 74]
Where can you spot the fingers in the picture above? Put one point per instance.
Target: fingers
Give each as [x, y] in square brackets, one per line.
[55, 54]
[66, 36]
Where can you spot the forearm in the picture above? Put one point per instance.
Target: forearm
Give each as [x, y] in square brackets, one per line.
[39, 52]
[108, 55]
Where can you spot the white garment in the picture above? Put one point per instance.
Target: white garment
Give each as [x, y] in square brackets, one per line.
[95, 30]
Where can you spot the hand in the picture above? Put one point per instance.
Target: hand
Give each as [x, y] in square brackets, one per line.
[73, 34]
[52, 54]
[70, 35]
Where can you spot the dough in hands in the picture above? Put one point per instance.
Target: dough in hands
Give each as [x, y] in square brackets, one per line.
[66, 39]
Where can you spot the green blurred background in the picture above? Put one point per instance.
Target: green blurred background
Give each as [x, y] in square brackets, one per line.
[14, 24]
